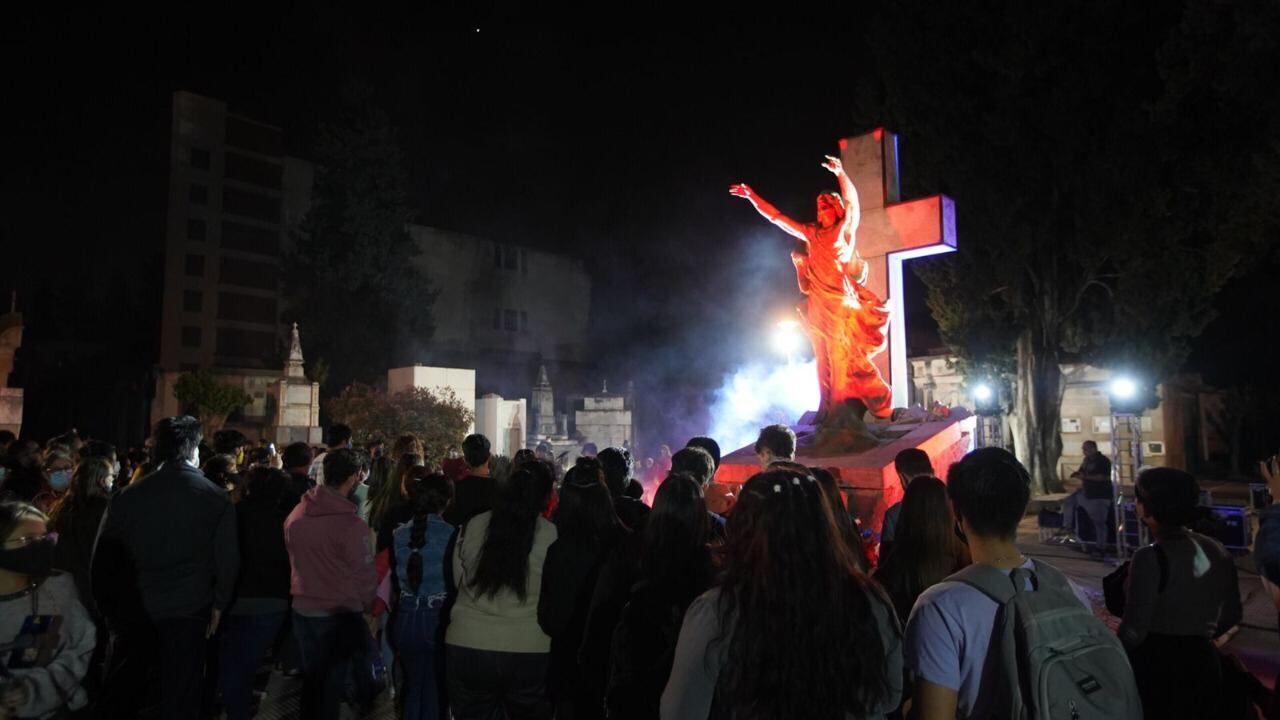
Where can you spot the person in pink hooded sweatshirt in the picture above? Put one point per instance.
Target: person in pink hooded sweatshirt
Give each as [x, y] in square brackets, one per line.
[333, 582]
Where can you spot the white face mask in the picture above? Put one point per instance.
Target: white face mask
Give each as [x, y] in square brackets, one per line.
[115, 469]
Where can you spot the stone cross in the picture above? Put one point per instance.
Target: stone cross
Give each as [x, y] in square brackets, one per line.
[890, 232]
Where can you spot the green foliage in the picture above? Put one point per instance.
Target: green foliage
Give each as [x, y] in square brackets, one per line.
[211, 400]
[351, 279]
[438, 420]
[1113, 166]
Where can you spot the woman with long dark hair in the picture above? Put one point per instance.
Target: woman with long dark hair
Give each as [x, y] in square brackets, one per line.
[587, 536]
[794, 629]
[497, 655]
[39, 611]
[925, 549]
[675, 568]
[848, 526]
[76, 519]
[389, 507]
[384, 487]
[417, 555]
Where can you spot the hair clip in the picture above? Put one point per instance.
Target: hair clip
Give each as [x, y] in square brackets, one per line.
[795, 481]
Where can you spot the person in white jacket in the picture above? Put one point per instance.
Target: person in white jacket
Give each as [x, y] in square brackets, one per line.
[46, 635]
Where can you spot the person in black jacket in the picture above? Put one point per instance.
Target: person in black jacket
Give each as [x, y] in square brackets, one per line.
[163, 570]
[297, 459]
[616, 463]
[675, 568]
[262, 595]
[474, 493]
[76, 518]
[588, 536]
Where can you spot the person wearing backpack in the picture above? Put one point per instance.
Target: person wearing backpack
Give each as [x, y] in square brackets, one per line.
[1182, 593]
[1008, 637]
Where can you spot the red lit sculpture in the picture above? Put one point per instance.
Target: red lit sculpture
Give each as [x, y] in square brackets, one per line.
[845, 320]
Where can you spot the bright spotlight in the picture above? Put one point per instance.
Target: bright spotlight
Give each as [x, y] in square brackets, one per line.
[1123, 388]
[982, 392]
[788, 338]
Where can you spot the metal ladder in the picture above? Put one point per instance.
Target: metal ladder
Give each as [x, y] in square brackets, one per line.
[1126, 459]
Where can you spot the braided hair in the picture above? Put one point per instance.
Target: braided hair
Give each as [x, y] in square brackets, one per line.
[429, 493]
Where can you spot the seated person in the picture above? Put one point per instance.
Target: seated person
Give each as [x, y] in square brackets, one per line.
[1094, 495]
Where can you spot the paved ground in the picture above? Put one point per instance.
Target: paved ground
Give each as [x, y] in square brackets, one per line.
[1257, 643]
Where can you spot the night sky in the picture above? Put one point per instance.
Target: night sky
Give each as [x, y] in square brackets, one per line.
[614, 144]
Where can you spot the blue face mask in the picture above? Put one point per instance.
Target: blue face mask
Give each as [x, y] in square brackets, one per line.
[60, 480]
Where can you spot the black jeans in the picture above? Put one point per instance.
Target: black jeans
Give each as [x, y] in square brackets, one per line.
[328, 646]
[169, 657]
[1178, 677]
[490, 685]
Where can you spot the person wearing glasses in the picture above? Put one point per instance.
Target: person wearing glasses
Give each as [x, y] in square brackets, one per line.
[46, 636]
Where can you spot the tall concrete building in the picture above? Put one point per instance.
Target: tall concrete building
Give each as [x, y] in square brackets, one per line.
[502, 309]
[233, 195]
[507, 310]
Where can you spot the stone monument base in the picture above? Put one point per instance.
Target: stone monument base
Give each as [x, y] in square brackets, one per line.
[866, 476]
[11, 410]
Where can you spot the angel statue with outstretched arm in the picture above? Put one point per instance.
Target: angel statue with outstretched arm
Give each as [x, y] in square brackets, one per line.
[845, 321]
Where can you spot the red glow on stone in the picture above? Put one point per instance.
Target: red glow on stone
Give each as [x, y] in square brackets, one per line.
[878, 134]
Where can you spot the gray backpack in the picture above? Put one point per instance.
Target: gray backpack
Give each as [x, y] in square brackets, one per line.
[1050, 658]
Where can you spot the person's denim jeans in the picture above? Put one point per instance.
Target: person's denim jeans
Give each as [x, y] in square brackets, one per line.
[246, 640]
[327, 646]
[413, 635]
[485, 684]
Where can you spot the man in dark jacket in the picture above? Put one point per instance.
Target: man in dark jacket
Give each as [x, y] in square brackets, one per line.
[474, 493]
[616, 463]
[297, 458]
[164, 568]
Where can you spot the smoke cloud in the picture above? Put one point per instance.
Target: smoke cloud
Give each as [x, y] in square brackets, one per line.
[762, 394]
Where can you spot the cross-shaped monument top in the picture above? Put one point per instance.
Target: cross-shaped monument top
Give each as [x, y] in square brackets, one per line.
[890, 232]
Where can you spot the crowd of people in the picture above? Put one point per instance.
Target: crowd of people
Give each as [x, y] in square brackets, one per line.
[160, 584]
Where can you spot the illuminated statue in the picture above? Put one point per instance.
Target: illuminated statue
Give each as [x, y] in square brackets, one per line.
[845, 321]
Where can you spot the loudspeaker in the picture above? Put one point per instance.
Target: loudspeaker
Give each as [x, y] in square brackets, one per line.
[1230, 527]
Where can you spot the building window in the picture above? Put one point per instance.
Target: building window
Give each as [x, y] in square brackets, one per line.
[510, 321]
[251, 345]
[508, 258]
[248, 238]
[195, 265]
[192, 301]
[248, 273]
[253, 171]
[524, 321]
[246, 308]
[195, 230]
[199, 158]
[190, 336]
[198, 194]
[251, 205]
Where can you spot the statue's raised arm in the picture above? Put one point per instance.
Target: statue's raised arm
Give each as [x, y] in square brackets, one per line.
[770, 213]
[852, 210]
